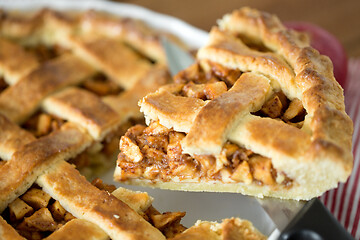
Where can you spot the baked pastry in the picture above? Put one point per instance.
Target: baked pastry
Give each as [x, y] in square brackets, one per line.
[260, 113]
[69, 88]
[36, 215]
[62, 204]
[87, 68]
[233, 228]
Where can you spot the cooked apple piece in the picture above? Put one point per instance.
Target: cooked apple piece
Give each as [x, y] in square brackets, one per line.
[97, 182]
[138, 201]
[19, 209]
[57, 211]
[43, 124]
[275, 105]
[130, 149]
[41, 220]
[242, 173]
[68, 217]
[262, 169]
[295, 109]
[213, 90]
[36, 198]
[160, 221]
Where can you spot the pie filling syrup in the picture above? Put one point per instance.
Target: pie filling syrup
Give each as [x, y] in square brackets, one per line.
[155, 152]
[36, 215]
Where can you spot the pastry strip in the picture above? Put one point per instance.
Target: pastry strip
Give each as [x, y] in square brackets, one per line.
[7, 232]
[113, 58]
[30, 161]
[207, 135]
[172, 111]
[84, 108]
[12, 137]
[116, 218]
[126, 103]
[79, 229]
[227, 50]
[229, 229]
[133, 32]
[15, 62]
[271, 137]
[19, 101]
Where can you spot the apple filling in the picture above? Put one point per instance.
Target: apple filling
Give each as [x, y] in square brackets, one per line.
[97, 158]
[36, 215]
[207, 80]
[155, 152]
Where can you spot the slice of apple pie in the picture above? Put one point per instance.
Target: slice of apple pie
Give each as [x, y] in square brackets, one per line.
[259, 113]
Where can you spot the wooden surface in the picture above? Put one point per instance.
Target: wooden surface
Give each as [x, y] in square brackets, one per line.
[341, 18]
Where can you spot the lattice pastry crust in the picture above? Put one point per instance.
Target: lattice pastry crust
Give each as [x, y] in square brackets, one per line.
[87, 68]
[260, 113]
[64, 205]
[69, 85]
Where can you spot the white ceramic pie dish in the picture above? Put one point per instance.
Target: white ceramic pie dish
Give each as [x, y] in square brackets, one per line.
[204, 206]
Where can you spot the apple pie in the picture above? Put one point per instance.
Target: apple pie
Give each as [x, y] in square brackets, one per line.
[259, 113]
[62, 204]
[87, 70]
[69, 87]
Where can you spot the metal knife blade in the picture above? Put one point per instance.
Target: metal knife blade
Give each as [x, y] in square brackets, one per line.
[177, 58]
[281, 211]
[294, 219]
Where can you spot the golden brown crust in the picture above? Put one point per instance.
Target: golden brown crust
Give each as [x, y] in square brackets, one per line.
[118, 61]
[78, 229]
[15, 62]
[126, 103]
[20, 100]
[12, 137]
[229, 51]
[7, 232]
[314, 81]
[307, 150]
[42, 54]
[84, 108]
[16, 27]
[172, 111]
[133, 32]
[265, 134]
[116, 218]
[229, 229]
[198, 232]
[235, 228]
[59, 26]
[138, 201]
[208, 135]
[31, 160]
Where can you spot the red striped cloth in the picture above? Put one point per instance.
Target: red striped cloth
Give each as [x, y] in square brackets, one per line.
[344, 201]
